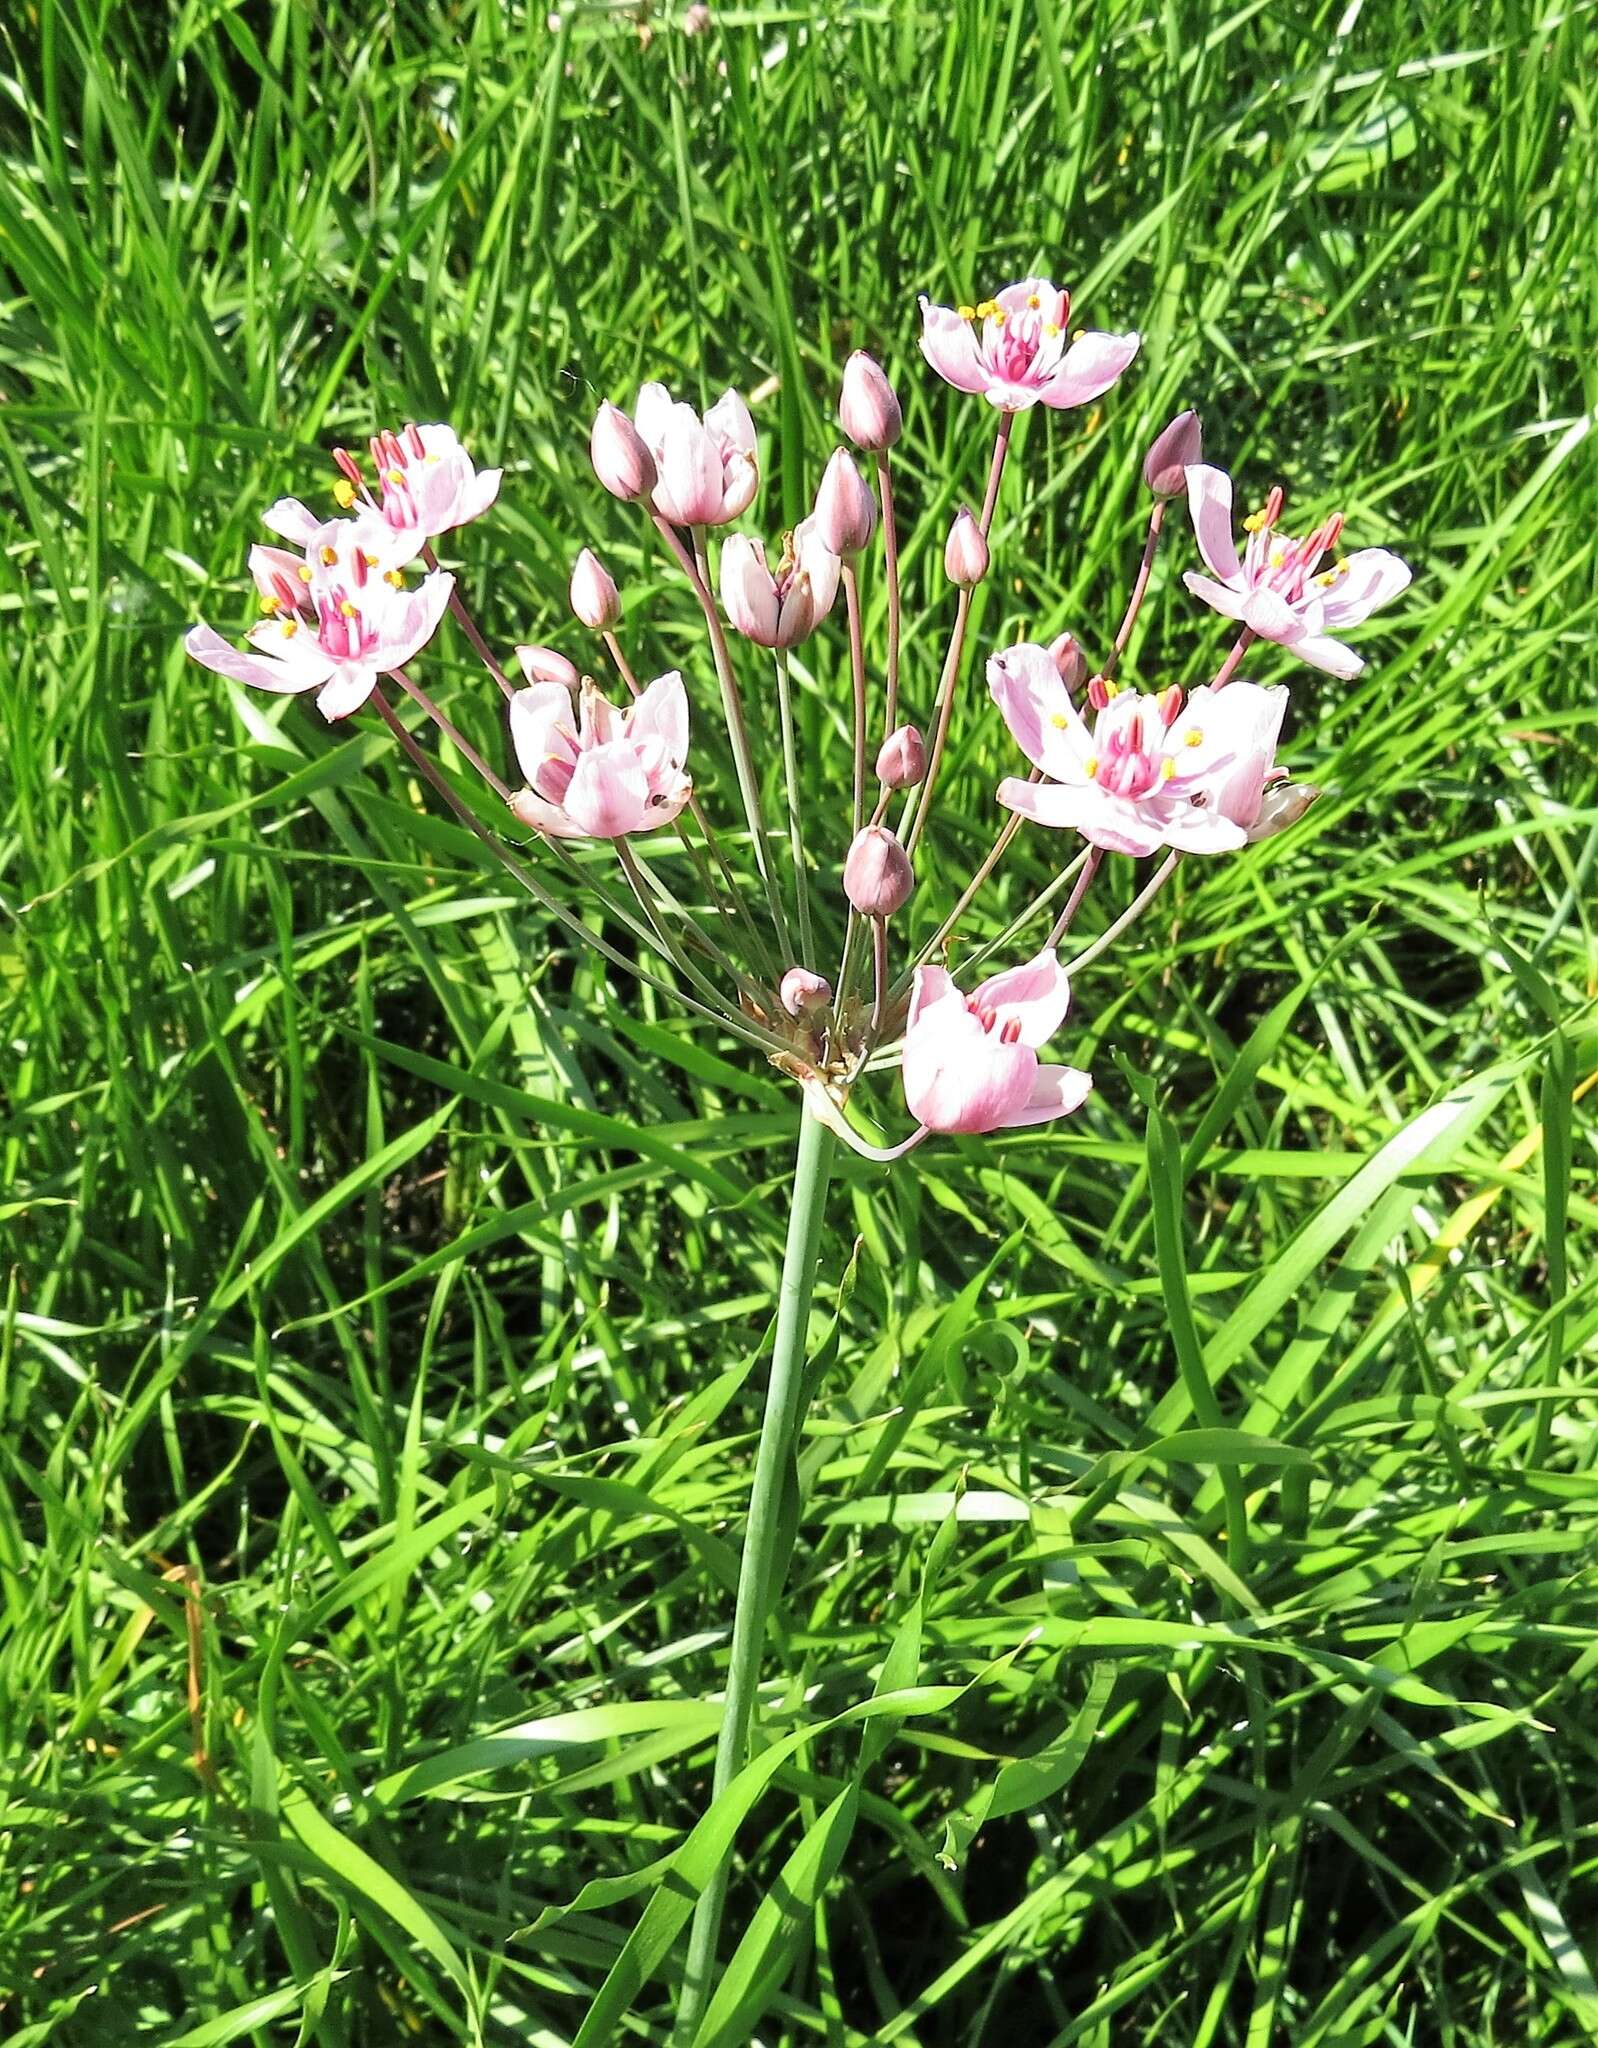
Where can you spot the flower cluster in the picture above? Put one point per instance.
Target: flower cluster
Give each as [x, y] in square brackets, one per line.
[1171, 769]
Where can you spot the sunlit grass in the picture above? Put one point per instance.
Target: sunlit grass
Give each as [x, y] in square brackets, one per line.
[386, 1286]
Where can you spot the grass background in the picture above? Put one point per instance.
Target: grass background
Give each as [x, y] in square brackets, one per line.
[385, 1286]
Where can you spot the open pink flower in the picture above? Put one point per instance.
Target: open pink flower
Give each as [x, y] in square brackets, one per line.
[1278, 589]
[970, 1062]
[596, 772]
[426, 484]
[706, 469]
[358, 626]
[1152, 771]
[1013, 348]
[780, 607]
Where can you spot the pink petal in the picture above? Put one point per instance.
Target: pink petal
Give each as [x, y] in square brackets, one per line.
[950, 347]
[959, 1078]
[542, 815]
[1373, 577]
[1209, 505]
[479, 494]
[1272, 617]
[346, 690]
[1025, 683]
[652, 414]
[689, 491]
[929, 986]
[1014, 397]
[1321, 651]
[292, 520]
[536, 715]
[608, 796]
[1089, 367]
[748, 594]
[414, 623]
[1037, 993]
[729, 421]
[288, 675]
[1196, 828]
[1056, 1091]
[1102, 820]
[1229, 603]
[662, 713]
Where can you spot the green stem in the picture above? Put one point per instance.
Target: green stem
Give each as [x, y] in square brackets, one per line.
[757, 1594]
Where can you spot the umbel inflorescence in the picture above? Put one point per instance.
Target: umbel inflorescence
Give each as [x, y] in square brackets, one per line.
[351, 602]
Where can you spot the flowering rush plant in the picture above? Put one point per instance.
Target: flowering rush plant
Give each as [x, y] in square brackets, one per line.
[788, 939]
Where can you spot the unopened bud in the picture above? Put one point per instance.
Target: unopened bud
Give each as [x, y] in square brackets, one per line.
[1070, 662]
[621, 461]
[594, 597]
[902, 761]
[801, 991]
[1175, 447]
[846, 512]
[544, 665]
[868, 411]
[877, 877]
[696, 20]
[1282, 806]
[965, 553]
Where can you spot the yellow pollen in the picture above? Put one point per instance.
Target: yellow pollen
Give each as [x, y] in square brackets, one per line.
[305, 572]
[1278, 557]
[1050, 329]
[1327, 580]
[966, 312]
[1090, 767]
[1060, 722]
[396, 476]
[396, 577]
[987, 309]
[269, 605]
[329, 557]
[1112, 691]
[1167, 769]
[1340, 566]
[1194, 738]
[347, 609]
[1033, 301]
[290, 628]
[344, 492]
[1254, 522]
[371, 561]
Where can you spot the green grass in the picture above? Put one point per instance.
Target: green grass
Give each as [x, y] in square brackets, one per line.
[386, 1284]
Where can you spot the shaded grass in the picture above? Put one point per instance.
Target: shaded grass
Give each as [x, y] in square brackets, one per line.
[386, 1288]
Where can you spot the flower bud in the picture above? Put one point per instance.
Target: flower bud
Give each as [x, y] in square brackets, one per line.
[1282, 806]
[846, 512]
[544, 665]
[1165, 465]
[1070, 661]
[621, 461]
[877, 877]
[965, 555]
[594, 596]
[902, 761]
[696, 20]
[801, 991]
[868, 411]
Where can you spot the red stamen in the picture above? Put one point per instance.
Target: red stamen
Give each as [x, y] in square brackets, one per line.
[358, 564]
[1098, 695]
[1171, 705]
[1010, 1031]
[1272, 510]
[348, 467]
[413, 434]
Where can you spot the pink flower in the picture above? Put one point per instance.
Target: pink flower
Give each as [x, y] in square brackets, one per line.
[706, 469]
[358, 627]
[970, 1062]
[1278, 589]
[426, 484]
[605, 773]
[621, 461]
[1152, 771]
[1013, 349]
[781, 607]
[845, 511]
[801, 991]
[868, 409]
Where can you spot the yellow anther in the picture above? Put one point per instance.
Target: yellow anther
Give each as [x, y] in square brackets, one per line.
[1033, 301]
[1090, 767]
[1060, 722]
[394, 576]
[329, 557]
[1327, 580]
[1050, 329]
[396, 476]
[347, 609]
[1193, 738]
[1112, 691]
[987, 309]
[1278, 557]
[1254, 522]
[966, 312]
[344, 492]
[290, 628]
[1340, 566]
[371, 561]
[1167, 769]
[305, 572]
[269, 605]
